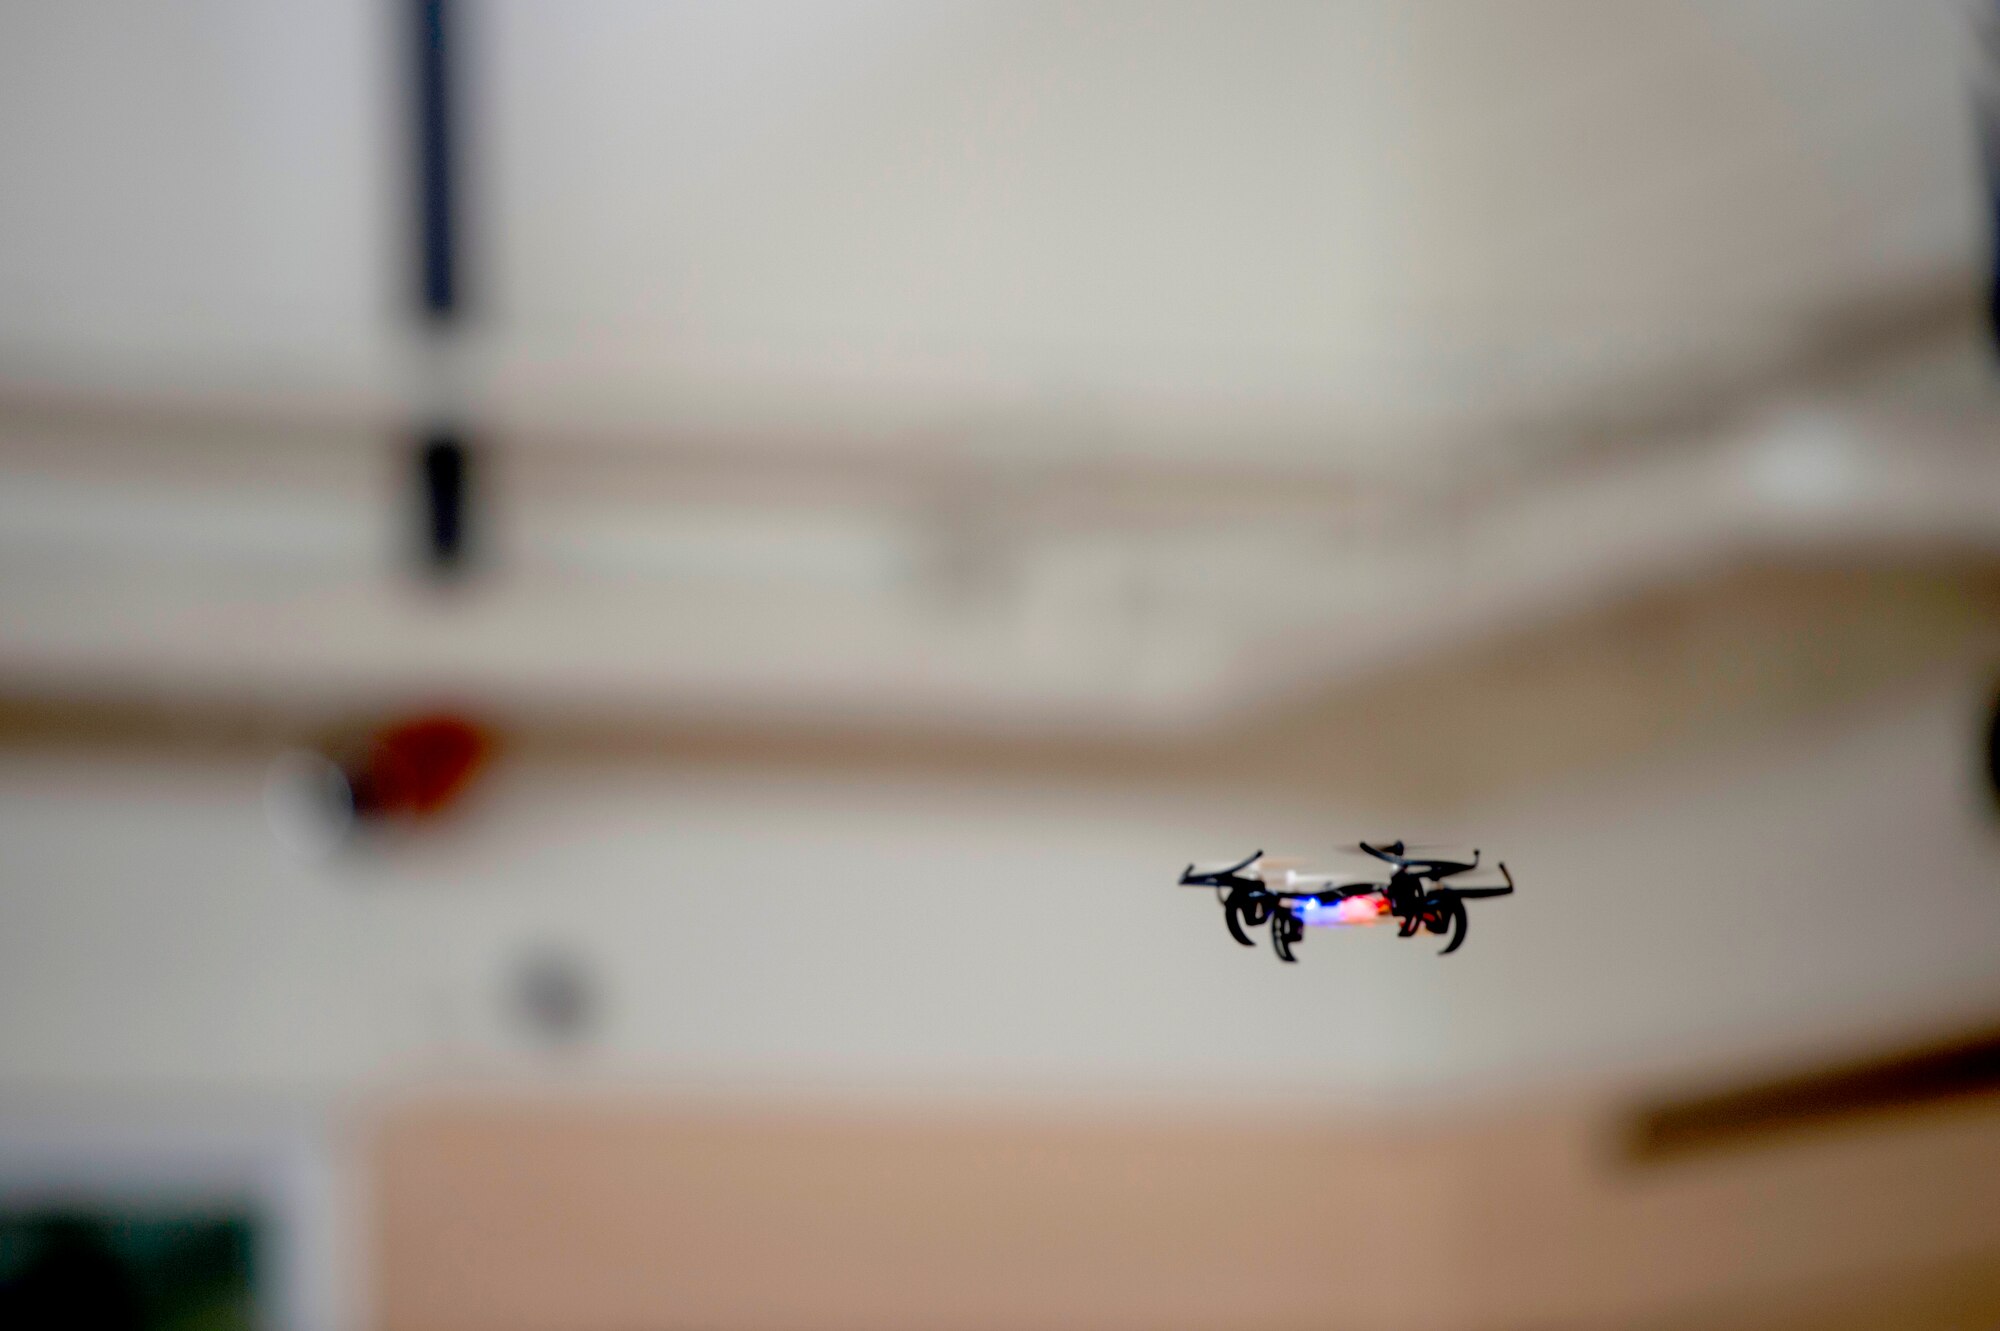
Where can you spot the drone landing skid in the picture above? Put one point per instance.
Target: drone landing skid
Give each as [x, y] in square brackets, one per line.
[1285, 931]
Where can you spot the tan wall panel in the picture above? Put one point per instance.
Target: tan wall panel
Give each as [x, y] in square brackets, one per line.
[620, 1217]
[593, 1215]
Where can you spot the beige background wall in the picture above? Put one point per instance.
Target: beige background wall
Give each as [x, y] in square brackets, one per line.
[523, 1215]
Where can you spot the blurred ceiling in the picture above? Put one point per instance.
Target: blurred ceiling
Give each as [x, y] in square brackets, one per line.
[1379, 234]
[1103, 367]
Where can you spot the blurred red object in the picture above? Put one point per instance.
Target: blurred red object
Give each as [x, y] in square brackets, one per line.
[419, 767]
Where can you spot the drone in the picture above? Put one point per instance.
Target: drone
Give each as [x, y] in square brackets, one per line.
[1415, 896]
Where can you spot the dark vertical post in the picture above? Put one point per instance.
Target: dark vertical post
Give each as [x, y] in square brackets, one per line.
[436, 182]
[442, 459]
[444, 463]
[1993, 748]
[1986, 107]
[1986, 110]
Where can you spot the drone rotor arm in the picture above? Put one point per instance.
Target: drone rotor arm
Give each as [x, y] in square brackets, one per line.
[1438, 869]
[1495, 891]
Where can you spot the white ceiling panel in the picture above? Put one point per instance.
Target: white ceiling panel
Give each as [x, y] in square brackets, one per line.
[1319, 233]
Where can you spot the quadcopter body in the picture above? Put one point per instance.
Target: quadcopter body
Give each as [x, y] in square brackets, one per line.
[1412, 893]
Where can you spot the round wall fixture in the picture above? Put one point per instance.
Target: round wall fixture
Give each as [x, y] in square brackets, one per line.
[552, 996]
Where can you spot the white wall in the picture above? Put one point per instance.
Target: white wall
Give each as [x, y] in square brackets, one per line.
[941, 936]
[1816, 890]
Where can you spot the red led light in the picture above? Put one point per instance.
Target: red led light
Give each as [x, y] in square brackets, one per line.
[1356, 910]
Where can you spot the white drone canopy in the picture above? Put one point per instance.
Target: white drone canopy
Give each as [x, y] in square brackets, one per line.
[1289, 876]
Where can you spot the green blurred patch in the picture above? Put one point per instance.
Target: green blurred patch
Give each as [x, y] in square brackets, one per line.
[120, 1272]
